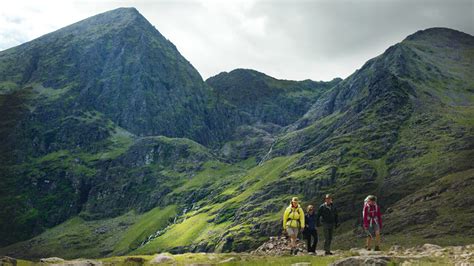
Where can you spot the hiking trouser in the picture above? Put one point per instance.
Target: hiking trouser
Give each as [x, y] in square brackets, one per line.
[328, 233]
[312, 240]
[292, 231]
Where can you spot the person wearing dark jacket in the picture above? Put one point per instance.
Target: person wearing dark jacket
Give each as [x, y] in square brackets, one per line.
[310, 231]
[327, 214]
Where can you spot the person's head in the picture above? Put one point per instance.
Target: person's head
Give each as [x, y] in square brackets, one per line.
[294, 202]
[310, 209]
[328, 198]
[371, 199]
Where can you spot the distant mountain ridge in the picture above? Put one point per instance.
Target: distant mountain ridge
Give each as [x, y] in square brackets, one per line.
[111, 143]
[259, 95]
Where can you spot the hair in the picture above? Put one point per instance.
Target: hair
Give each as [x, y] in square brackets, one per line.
[309, 206]
[328, 196]
[370, 197]
[295, 199]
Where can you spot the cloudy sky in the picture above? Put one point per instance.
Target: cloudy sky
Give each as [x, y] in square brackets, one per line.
[287, 39]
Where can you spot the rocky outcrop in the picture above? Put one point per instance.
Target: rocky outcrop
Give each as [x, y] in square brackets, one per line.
[278, 246]
[5, 260]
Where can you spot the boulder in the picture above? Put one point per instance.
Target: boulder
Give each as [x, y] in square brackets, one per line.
[363, 261]
[81, 262]
[431, 247]
[5, 260]
[135, 260]
[162, 258]
[52, 260]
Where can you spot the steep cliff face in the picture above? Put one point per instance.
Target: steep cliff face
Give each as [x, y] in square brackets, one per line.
[119, 65]
[107, 128]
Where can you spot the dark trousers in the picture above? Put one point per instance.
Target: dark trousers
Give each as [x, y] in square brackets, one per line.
[328, 232]
[312, 240]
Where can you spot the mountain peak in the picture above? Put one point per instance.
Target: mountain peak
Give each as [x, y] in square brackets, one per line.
[109, 21]
[118, 64]
[439, 34]
[123, 14]
[123, 10]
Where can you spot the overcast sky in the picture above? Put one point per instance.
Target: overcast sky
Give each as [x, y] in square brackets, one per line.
[319, 40]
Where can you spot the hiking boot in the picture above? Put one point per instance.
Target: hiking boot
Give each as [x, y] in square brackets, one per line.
[368, 248]
[296, 252]
[328, 253]
[377, 248]
[292, 251]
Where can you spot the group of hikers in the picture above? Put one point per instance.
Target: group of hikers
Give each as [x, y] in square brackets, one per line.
[295, 221]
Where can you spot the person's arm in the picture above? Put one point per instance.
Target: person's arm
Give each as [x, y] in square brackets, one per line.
[285, 218]
[301, 217]
[365, 221]
[318, 217]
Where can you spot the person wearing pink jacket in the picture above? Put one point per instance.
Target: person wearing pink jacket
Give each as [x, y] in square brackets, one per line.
[372, 219]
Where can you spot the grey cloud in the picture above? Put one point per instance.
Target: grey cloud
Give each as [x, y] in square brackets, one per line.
[291, 39]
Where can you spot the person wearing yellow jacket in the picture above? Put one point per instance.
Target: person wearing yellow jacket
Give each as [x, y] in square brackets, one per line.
[293, 222]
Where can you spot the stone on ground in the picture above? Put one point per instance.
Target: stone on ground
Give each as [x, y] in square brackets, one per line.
[80, 262]
[52, 260]
[162, 258]
[363, 261]
[135, 260]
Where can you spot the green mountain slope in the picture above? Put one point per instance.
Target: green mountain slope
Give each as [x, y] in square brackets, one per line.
[401, 122]
[79, 97]
[129, 151]
[85, 113]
